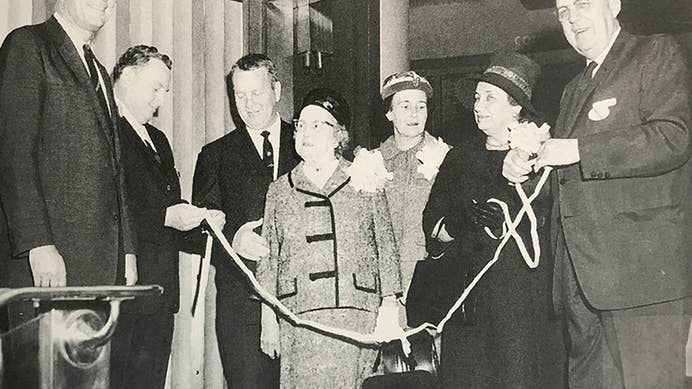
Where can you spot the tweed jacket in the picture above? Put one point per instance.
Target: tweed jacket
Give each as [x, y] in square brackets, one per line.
[407, 193]
[623, 208]
[61, 182]
[331, 247]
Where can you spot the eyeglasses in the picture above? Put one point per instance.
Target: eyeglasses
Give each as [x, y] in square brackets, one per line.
[565, 13]
[301, 125]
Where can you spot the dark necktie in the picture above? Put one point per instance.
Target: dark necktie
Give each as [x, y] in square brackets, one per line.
[152, 151]
[586, 77]
[93, 74]
[267, 153]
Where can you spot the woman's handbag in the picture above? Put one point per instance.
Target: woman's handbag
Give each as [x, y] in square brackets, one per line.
[417, 370]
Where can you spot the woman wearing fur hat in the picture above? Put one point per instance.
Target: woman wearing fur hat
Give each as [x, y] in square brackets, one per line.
[505, 336]
[332, 257]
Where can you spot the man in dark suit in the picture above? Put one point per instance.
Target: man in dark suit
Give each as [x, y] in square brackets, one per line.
[142, 342]
[61, 182]
[233, 174]
[621, 151]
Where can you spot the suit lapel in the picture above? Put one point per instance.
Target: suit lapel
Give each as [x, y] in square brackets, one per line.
[287, 159]
[248, 151]
[71, 57]
[131, 135]
[609, 64]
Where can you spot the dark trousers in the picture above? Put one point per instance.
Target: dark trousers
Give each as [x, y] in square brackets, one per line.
[245, 366]
[140, 349]
[642, 347]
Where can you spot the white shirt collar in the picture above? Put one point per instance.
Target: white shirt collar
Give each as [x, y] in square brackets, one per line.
[601, 57]
[75, 34]
[139, 128]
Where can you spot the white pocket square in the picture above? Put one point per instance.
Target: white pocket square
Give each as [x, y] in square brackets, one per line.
[601, 109]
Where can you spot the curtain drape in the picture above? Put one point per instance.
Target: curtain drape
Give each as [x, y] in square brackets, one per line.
[204, 38]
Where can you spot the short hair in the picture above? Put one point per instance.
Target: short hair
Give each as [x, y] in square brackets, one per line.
[256, 61]
[138, 56]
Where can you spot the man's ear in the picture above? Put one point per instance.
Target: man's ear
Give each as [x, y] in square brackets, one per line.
[390, 116]
[277, 91]
[615, 6]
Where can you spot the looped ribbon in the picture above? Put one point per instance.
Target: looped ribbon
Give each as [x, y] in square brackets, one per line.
[377, 339]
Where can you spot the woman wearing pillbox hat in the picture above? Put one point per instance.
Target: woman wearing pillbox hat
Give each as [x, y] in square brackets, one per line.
[332, 256]
[505, 335]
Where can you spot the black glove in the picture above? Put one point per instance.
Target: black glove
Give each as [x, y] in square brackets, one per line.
[487, 215]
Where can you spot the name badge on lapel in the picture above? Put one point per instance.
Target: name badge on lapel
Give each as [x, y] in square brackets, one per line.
[601, 109]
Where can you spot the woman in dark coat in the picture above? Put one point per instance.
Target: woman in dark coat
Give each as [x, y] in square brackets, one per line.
[505, 335]
[333, 257]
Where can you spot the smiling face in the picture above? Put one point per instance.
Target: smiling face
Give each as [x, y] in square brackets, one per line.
[316, 134]
[492, 110]
[256, 97]
[588, 25]
[89, 15]
[144, 88]
[408, 113]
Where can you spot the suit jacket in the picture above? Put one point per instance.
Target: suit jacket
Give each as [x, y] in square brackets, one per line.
[623, 207]
[230, 176]
[152, 187]
[331, 247]
[60, 178]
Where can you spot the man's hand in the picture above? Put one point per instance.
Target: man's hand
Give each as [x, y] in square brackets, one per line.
[47, 266]
[270, 334]
[184, 217]
[558, 152]
[218, 218]
[130, 269]
[516, 166]
[248, 243]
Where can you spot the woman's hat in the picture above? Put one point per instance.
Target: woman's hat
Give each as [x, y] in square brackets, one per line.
[512, 72]
[403, 81]
[332, 102]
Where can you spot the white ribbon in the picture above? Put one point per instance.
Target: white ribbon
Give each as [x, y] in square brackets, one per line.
[376, 339]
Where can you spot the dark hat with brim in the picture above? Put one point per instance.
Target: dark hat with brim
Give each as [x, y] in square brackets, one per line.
[512, 72]
[331, 101]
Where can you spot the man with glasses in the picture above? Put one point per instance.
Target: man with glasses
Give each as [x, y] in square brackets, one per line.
[621, 149]
[233, 174]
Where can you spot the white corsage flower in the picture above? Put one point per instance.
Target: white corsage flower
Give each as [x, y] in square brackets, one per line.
[431, 156]
[528, 136]
[367, 171]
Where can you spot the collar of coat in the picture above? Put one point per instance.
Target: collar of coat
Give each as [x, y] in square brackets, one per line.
[389, 150]
[338, 180]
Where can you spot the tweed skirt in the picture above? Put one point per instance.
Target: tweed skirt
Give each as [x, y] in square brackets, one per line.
[317, 361]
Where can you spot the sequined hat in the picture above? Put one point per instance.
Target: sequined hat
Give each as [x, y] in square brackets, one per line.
[403, 81]
[512, 72]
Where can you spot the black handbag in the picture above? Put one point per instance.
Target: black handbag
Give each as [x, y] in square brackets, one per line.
[417, 370]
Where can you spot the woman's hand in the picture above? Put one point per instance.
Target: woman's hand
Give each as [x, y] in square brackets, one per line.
[269, 335]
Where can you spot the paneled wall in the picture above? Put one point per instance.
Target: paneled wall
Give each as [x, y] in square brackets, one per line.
[204, 38]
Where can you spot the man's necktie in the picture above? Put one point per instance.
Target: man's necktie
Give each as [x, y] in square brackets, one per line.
[93, 73]
[586, 77]
[267, 153]
[153, 151]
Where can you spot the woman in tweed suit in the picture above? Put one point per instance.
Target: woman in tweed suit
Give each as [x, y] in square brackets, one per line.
[332, 255]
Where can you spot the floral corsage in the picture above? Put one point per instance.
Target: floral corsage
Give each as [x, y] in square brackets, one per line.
[367, 171]
[431, 156]
[528, 136]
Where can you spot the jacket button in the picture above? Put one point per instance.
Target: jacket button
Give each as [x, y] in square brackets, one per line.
[563, 181]
[116, 217]
[168, 187]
